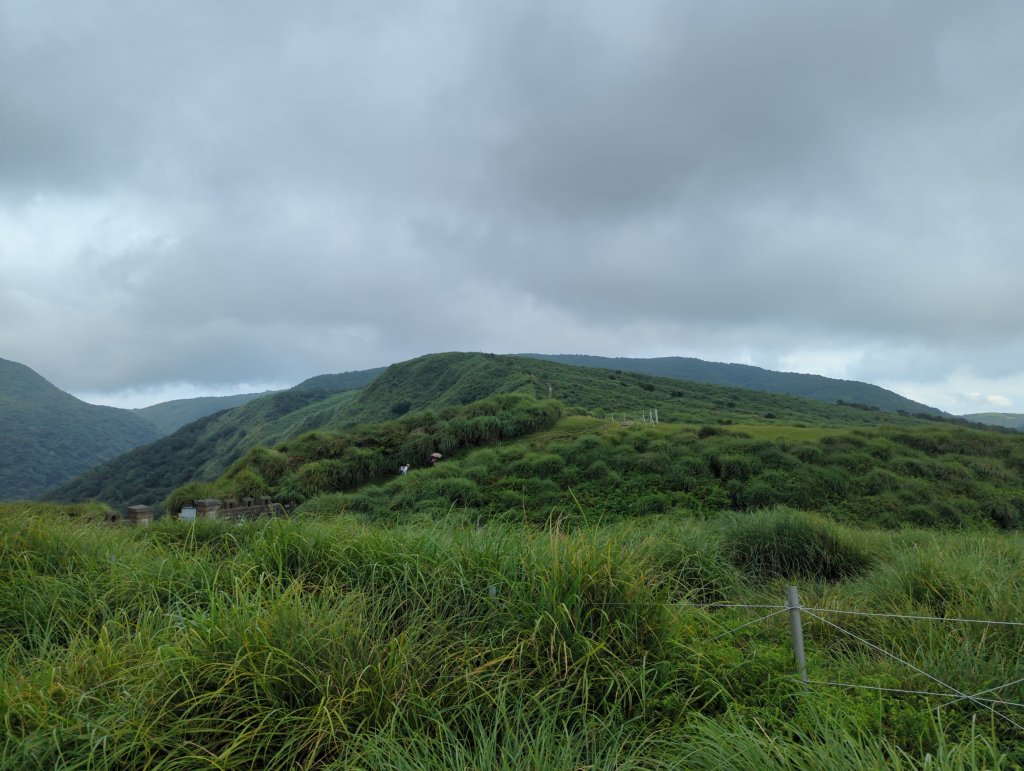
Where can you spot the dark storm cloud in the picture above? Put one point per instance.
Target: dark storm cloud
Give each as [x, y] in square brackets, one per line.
[243, 192]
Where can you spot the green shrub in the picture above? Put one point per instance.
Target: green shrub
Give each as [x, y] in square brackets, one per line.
[271, 465]
[249, 484]
[458, 490]
[967, 576]
[290, 489]
[785, 543]
[649, 503]
[186, 495]
[600, 471]
[324, 476]
[805, 488]
[809, 453]
[734, 466]
[331, 505]
[880, 481]
[682, 558]
[544, 465]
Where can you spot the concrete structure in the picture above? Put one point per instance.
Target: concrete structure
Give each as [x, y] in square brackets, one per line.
[139, 514]
[208, 508]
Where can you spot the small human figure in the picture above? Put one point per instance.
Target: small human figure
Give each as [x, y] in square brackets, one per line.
[403, 469]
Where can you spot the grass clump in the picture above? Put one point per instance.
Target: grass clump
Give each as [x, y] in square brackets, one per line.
[786, 543]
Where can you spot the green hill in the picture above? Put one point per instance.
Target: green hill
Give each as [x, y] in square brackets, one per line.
[434, 382]
[446, 379]
[517, 454]
[168, 417]
[1010, 420]
[816, 387]
[47, 436]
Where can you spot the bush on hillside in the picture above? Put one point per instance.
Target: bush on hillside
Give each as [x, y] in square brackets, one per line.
[249, 484]
[686, 561]
[186, 495]
[964, 576]
[323, 476]
[786, 543]
[270, 464]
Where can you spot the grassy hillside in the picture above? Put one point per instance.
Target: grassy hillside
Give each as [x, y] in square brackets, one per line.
[168, 417]
[885, 476]
[202, 452]
[343, 644]
[47, 436]
[817, 387]
[859, 466]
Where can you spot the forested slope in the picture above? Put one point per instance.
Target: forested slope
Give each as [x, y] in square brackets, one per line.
[47, 436]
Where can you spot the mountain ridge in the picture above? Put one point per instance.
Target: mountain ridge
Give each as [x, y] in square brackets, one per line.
[1011, 420]
[809, 386]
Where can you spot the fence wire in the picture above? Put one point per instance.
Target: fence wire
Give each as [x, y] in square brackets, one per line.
[978, 699]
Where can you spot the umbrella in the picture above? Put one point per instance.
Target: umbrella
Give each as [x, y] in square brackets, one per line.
[436, 455]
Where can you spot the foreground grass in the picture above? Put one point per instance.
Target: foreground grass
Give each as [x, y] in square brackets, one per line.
[342, 644]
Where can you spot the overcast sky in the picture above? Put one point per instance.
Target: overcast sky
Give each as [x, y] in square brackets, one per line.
[201, 198]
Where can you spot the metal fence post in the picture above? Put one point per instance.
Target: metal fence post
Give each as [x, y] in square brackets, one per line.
[793, 602]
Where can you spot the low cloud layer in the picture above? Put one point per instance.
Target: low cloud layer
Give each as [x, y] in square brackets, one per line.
[198, 197]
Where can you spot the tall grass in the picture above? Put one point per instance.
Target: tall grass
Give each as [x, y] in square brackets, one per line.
[311, 643]
[784, 543]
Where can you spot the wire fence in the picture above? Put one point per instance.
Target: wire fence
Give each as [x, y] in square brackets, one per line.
[985, 699]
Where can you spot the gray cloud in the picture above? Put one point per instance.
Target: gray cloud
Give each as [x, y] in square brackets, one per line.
[229, 193]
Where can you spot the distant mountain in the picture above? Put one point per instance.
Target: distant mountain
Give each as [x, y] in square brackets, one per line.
[344, 381]
[824, 389]
[48, 436]
[1013, 420]
[168, 417]
[202, 450]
